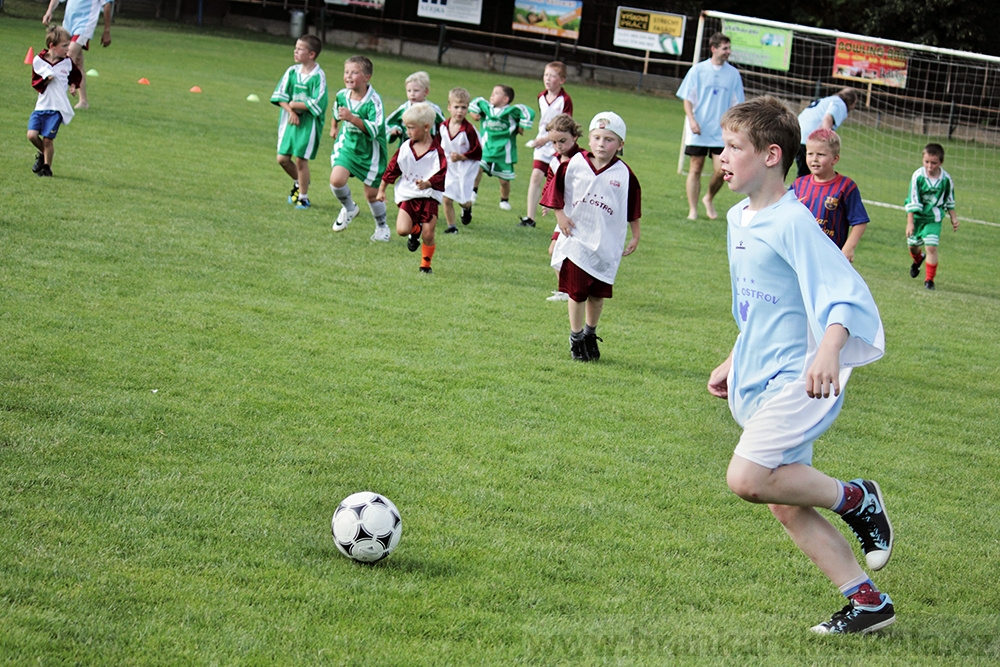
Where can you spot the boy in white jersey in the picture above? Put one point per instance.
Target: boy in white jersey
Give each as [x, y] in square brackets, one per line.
[595, 197]
[805, 319]
[461, 146]
[552, 101]
[53, 73]
[418, 171]
[302, 96]
[360, 149]
[418, 87]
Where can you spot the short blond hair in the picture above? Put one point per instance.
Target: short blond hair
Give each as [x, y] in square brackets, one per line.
[420, 113]
[766, 120]
[827, 137]
[422, 78]
[459, 95]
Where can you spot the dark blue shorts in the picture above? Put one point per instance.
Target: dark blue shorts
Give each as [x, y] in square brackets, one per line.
[46, 123]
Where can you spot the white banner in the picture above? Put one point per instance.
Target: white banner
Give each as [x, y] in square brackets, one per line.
[461, 11]
[649, 31]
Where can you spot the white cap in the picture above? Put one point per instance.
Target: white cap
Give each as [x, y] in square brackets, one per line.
[609, 120]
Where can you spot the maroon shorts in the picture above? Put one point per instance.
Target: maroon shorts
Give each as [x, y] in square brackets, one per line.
[579, 284]
[421, 211]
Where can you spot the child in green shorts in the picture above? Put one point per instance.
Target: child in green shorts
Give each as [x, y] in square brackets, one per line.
[500, 121]
[360, 149]
[301, 94]
[932, 192]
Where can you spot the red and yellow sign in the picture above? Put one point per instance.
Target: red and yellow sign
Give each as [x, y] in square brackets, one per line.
[869, 62]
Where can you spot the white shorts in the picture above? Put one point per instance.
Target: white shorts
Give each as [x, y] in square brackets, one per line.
[784, 427]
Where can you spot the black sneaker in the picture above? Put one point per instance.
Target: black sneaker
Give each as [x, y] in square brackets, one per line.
[915, 267]
[591, 343]
[466, 215]
[527, 222]
[870, 523]
[39, 163]
[293, 196]
[929, 284]
[578, 350]
[46, 170]
[413, 242]
[451, 230]
[425, 269]
[859, 619]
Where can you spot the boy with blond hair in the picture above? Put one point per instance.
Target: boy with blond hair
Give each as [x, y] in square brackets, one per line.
[360, 150]
[833, 198]
[418, 87]
[805, 319]
[53, 73]
[931, 195]
[461, 146]
[301, 94]
[418, 171]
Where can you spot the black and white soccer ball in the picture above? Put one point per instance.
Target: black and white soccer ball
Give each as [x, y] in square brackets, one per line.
[366, 527]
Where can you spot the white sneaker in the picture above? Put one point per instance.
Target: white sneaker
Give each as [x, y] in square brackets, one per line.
[345, 218]
[558, 296]
[505, 205]
[381, 233]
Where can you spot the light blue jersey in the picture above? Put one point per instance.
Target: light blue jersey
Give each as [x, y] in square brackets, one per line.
[790, 282]
[711, 91]
[811, 118]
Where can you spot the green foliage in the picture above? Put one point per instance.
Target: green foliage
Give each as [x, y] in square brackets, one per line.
[194, 374]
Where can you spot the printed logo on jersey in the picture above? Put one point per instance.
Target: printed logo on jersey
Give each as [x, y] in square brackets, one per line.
[615, 184]
[749, 290]
[595, 200]
[830, 203]
[740, 246]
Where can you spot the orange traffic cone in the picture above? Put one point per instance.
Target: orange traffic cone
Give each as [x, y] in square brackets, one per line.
[195, 89]
[144, 81]
[30, 58]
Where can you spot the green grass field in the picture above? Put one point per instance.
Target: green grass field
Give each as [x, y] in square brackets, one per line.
[193, 374]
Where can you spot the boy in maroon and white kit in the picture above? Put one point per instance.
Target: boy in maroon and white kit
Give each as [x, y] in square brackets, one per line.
[552, 101]
[418, 171]
[595, 197]
[53, 73]
[460, 143]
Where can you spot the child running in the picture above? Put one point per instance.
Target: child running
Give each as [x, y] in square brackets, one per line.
[360, 149]
[302, 96]
[552, 101]
[501, 122]
[805, 319]
[418, 170]
[932, 193]
[52, 75]
[418, 87]
[595, 197]
[461, 146]
[562, 132]
[832, 198]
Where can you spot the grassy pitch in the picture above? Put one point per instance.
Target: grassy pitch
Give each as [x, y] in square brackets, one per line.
[193, 374]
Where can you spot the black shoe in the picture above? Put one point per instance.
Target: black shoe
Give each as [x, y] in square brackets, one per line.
[39, 163]
[929, 284]
[578, 350]
[451, 230]
[870, 524]
[46, 170]
[591, 343]
[915, 267]
[413, 242]
[425, 269]
[466, 215]
[527, 222]
[859, 619]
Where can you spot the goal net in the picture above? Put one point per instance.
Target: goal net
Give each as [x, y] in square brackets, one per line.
[910, 95]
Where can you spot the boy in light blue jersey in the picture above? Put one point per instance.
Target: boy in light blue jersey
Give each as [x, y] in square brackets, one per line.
[805, 319]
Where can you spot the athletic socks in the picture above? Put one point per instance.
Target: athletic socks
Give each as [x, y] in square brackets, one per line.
[378, 212]
[931, 271]
[862, 591]
[849, 497]
[426, 256]
[576, 336]
[589, 330]
[916, 255]
[343, 195]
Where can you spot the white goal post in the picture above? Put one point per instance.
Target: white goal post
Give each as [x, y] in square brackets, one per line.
[950, 97]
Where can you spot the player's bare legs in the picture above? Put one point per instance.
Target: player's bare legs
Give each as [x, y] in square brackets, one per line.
[792, 492]
[595, 305]
[302, 168]
[534, 192]
[577, 313]
[932, 254]
[404, 223]
[44, 145]
[75, 53]
[339, 176]
[697, 163]
[504, 189]
[714, 185]
[449, 211]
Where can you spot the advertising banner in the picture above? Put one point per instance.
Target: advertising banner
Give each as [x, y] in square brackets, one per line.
[871, 63]
[460, 11]
[758, 45]
[649, 31]
[557, 18]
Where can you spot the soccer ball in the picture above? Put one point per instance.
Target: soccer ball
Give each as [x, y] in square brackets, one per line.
[366, 527]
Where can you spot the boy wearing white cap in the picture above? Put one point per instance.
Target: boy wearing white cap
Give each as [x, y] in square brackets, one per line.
[595, 196]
